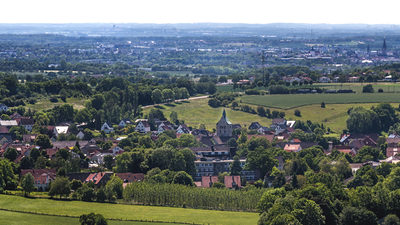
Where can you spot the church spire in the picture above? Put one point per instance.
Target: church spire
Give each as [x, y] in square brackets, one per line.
[224, 114]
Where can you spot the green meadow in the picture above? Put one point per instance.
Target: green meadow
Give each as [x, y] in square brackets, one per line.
[115, 211]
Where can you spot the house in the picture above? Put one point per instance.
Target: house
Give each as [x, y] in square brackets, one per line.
[60, 130]
[142, 126]
[182, 129]
[232, 182]
[3, 108]
[98, 179]
[4, 130]
[80, 135]
[29, 138]
[130, 177]
[324, 80]
[279, 122]
[124, 123]
[8, 123]
[27, 123]
[116, 150]
[263, 130]
[392, 151]
[5, 138]
[292, 147]
[106, 128]
[255, 126]
[42, 177]
[268, 137]
[229, 181]
[163, 128]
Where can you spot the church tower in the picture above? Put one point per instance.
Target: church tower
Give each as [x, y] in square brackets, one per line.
[224, 126]
[384, 47]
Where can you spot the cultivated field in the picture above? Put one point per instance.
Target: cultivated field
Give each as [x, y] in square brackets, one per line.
[295, 100]
[119, 211]
[198, 112]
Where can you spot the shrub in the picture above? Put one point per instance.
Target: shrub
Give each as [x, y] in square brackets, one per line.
[323, 105]
[297, 113]
[252, 92]
[368, 89]
[380, 90]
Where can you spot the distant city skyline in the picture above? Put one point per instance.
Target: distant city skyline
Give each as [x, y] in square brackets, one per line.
[214, 11]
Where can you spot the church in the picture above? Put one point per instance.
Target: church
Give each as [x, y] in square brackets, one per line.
[225, 127]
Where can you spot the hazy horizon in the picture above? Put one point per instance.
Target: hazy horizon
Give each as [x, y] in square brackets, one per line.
[207, 11]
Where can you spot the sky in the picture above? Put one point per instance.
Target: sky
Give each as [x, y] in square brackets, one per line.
[189, 11]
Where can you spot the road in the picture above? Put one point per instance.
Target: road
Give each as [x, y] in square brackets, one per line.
[179, 100]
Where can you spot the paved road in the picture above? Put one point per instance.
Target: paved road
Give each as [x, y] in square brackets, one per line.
[179, 100]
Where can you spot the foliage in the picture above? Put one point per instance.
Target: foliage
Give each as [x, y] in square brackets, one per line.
[60, 186]
[186, 196]
[92, 219]
[27, 183]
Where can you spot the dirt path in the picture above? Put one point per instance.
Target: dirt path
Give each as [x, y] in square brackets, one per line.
[179, 100]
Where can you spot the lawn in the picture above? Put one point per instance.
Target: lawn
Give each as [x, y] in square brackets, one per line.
[17, 218]
[131, 212]
[44, 103]
[296, 100]
[198, 112]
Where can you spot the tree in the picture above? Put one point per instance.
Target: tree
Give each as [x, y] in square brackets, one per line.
[368, 89]
[115, 186]
[355, 216]
[8, 180]
[27, 183]
[156, 96]
[363, 121]
[323, 105]
[262, 160]
[236, 168]
[297, 113]
[60, 186]
[11, 154]
[261, 111]
[391, 219]
[98, 101]
[108, 161]
[182, 177]
[43, 141]
[92, 219]
[167, 95]
[75, 184]
[174, 117]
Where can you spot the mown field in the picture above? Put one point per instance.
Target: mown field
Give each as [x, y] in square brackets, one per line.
[116, 211]
[44, 103]
[333, 116]
[198, 112]
[17, 218]
[296, 100]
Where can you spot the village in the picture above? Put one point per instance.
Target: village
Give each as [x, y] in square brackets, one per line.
[214, 155]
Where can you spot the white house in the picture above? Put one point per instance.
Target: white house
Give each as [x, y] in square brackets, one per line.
[142, 127]
[324, 80]
[3, 108]
[8, 123]
[116, 150]
[107, 129]
[124, 123]
[27, 123]
[182, 129]
[60, 130]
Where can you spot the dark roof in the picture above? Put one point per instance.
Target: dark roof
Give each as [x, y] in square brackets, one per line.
[130, 177]
[4, 130]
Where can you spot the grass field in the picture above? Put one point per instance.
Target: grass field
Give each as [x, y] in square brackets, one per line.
[119, 211]
[295, 100]
[17, 218]
[43, 104]
[198, 112]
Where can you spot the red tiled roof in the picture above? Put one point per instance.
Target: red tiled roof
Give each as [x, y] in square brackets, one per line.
[207, 181]
[229, 181]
